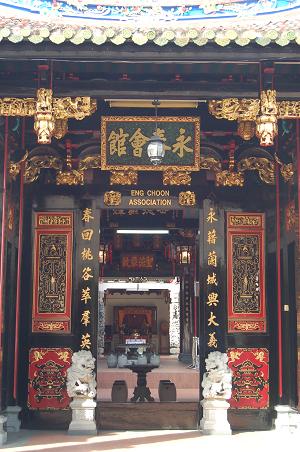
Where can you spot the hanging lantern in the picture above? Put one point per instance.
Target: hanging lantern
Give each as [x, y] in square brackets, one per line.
[118, 242]
[184, 254]
[167, 296]
[156, 242]
[44, 122]
[104, 254]
[136, 241]
[155, 148]
[266, 129]
[60, 128]
[246, 129]
[266, 122]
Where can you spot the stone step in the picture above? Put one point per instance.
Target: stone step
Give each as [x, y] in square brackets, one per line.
[146, 416]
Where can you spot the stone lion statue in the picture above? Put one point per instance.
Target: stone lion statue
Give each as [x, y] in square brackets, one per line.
[81, 381]
[216, 381]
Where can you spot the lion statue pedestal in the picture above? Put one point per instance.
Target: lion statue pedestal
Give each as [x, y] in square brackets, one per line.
[216, 385]
[83, 416]
[3, 433]
[81, 385]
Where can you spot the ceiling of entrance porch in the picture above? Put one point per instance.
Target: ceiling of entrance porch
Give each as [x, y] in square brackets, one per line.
[158, 21]
[171, 284]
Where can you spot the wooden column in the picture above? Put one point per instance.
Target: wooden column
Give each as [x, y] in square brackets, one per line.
[3, 248]
[297, 260]
[186, 300]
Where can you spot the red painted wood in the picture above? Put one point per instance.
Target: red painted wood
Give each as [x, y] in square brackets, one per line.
[3, 227]
[278, 239]
[19, 266]
[47, 378]
[250, 377]
[18, 291]
[298, 172]
[195, 295]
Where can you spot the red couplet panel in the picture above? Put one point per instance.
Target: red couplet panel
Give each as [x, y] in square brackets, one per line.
[250, 377]
[47, 378]
[246, 272]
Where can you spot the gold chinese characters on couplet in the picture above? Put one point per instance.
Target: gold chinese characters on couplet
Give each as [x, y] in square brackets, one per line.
[212, 278]
[87, 276]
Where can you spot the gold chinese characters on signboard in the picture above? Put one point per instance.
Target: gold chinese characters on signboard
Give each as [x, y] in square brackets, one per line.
[187, 198]
[124, 141]
[112, 198]
[137, 261]
[240, 219]
[54, 220]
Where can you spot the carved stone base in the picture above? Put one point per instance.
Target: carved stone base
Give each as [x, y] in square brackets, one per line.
[3, 433]
[214, 420]
[13, 422]
[287, 420]
[83, 416]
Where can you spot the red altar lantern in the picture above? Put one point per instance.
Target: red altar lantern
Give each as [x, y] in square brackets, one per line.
[156, 242]
[118, 242]
[184, 254]
[170, 255]
[105, 254]
[136, 241]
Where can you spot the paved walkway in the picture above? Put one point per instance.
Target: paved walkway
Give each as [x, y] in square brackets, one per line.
[146, 441]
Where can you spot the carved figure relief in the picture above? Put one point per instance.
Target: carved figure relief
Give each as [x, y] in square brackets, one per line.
[246, 272]
[52, 256]
[52, 275]
[245, 260]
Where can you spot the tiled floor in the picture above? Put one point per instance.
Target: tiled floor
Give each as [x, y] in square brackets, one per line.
[186, 379]
[146, 441]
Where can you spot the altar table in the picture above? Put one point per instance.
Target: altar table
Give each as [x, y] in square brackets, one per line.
[141, 391]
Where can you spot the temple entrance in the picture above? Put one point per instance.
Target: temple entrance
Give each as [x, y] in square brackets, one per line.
[139, 328]
[142, 349]
[200, 226]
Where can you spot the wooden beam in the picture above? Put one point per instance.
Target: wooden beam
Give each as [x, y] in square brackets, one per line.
[102, 89]
[150, 52]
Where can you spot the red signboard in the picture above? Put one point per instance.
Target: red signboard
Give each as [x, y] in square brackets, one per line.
[137, 261]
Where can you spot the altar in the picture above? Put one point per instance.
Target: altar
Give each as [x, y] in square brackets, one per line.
[135, 323]
[134, 348]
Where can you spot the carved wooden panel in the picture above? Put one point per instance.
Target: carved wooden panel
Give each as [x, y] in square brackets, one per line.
[246, 273]
[250, 379]
[47, 378]
[52, 273]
